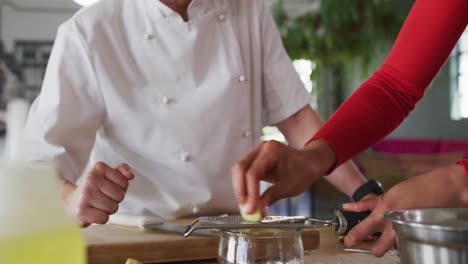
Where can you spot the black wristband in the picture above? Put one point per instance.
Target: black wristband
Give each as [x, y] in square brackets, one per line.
[372, 186]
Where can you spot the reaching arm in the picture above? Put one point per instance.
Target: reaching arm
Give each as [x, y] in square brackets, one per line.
[62, 126]
[297, 130]
[375, 109]
[427, 38]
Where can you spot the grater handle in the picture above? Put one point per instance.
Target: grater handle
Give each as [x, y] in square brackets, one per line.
[328, 222]
[194, 226]
[190, 228]
[347, 220]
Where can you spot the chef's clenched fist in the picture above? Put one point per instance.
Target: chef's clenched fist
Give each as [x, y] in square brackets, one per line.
[99, 195]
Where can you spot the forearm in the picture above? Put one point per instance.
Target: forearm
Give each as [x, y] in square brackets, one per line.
[384, 101]
[297, 130]
[347, 178]
[447, 187]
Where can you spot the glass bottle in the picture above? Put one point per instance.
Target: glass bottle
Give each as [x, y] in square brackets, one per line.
[33, 226]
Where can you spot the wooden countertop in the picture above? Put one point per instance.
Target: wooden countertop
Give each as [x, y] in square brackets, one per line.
[109, 244]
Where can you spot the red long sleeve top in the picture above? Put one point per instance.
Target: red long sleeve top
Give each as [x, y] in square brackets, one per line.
[426, 40]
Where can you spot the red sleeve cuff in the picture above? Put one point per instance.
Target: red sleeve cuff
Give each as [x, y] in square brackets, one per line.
[464, 162]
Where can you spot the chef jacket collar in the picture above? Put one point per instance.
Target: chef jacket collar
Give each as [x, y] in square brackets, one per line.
[196, 9]
[154, 10]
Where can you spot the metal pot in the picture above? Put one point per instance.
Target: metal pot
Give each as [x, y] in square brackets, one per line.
[430, 236]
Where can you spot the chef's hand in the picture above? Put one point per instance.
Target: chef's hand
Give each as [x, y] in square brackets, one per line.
[100, 194]
[291, 171]
[374, 223]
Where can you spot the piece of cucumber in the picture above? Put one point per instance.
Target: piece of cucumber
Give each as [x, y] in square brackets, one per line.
[256, 216]
[132, 261]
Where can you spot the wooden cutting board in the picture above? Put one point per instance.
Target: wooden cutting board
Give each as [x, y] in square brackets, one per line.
[110, 244]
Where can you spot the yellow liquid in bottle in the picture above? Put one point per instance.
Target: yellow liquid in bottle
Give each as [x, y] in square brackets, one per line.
[58, 246]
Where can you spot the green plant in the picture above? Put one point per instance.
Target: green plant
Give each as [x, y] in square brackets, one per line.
[342, 35]
[341, 31]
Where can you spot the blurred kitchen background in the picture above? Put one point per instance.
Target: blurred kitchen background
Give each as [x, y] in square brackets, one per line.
[335, 45]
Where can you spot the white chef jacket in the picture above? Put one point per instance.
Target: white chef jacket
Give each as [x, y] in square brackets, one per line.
[179, 102]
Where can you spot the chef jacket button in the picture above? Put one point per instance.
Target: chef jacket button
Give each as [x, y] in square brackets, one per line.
[195, 209]
[148, 36]
[221, 17]
[185, 157]
[242, 78]
[166, 100]
[246, 134]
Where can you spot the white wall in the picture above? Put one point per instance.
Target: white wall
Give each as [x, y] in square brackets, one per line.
[33, 19]
[431, 118]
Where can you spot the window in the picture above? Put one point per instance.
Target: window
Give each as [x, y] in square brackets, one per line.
[459, 79]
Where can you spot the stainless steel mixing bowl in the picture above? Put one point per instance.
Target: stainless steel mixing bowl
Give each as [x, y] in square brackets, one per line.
[430, 236]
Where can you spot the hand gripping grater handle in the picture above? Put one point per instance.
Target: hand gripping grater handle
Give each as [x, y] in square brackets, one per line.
[346, 220]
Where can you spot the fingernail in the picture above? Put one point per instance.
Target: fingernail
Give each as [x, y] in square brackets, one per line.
[242, 208]
[243, 201]
[99, 166]
[347, 206]
[351, 240]
[250, 208]
[266, 210]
